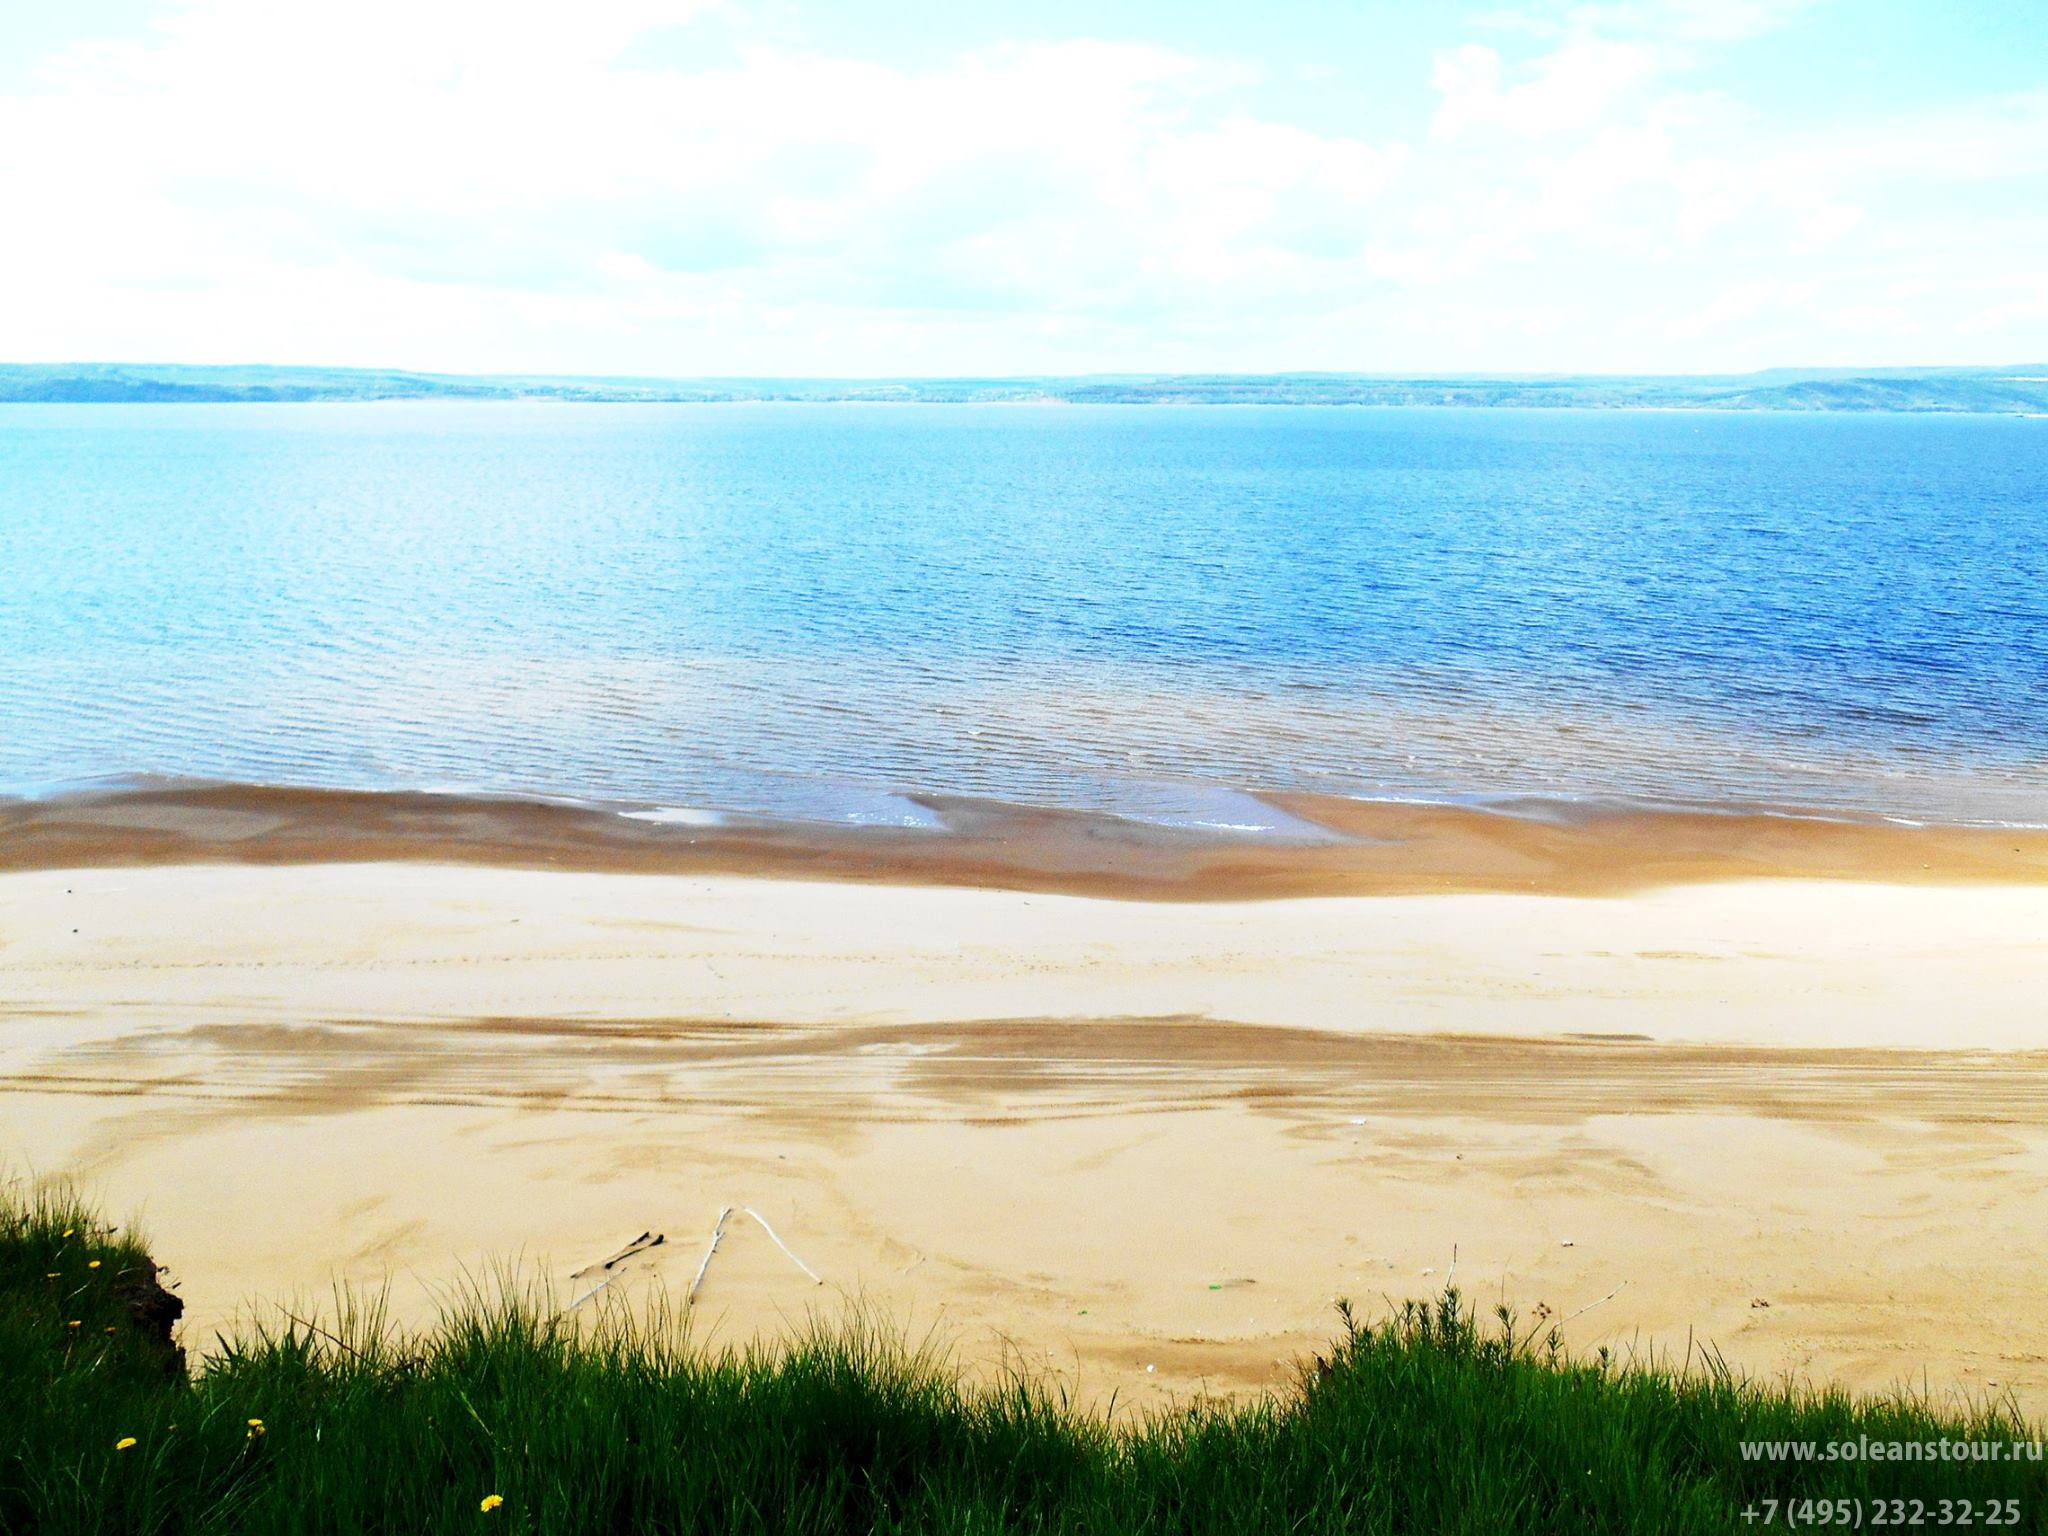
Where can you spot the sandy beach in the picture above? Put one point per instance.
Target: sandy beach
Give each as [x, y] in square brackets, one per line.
[1141, 1143]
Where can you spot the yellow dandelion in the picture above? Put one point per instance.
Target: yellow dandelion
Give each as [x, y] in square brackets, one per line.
[124, 1442]
[72, 1324]
[255, 1423]
[491, 1501]
[92, 1263]
[69, 1230]
[51, 1275]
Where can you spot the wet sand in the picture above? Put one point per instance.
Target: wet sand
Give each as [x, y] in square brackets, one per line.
[1324, 845]
[1142, 1143]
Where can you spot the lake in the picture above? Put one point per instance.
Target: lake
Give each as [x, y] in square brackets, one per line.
[816, 610]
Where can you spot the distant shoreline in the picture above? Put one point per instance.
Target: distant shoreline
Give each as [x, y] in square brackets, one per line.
[2015, 390]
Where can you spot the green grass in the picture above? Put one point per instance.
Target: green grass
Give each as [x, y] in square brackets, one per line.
[1425, 1421]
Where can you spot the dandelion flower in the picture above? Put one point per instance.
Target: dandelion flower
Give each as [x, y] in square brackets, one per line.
[69, 1230]
[51, 1275]
[92, 1263]
[491, 1501]
[124, 1442]
[255, 1428]
[72, 1324]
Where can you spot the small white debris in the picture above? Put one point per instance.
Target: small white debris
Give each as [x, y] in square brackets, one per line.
[1565, 1242]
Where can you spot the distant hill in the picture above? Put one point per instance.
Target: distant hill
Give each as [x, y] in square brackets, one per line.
[2013, 390]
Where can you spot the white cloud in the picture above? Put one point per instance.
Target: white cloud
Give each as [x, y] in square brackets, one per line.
[510, 185]
[1578, 85]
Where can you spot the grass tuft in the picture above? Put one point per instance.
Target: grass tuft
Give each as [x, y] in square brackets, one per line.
[506, 1417]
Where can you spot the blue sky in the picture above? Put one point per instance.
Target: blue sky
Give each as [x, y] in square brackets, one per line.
[786, 187]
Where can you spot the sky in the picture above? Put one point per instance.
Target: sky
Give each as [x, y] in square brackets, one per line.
[858, 188]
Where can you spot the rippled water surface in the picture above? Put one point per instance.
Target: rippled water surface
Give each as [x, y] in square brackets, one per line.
[808, 609]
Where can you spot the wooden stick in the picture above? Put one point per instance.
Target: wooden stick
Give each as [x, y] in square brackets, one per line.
[1589, 1306]
[641, 1244]
[816, 1278]
[717, 1233]
[608, 1279]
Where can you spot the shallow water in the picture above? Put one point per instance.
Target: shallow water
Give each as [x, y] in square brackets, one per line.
[809, 610]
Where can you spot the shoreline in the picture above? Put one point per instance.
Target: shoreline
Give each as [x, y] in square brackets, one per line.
[1343, 847]
[1939, 391]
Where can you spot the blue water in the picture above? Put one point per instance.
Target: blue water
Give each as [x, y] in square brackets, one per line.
[811, 609]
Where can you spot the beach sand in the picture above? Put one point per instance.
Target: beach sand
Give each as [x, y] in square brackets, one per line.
[1143, 1144]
